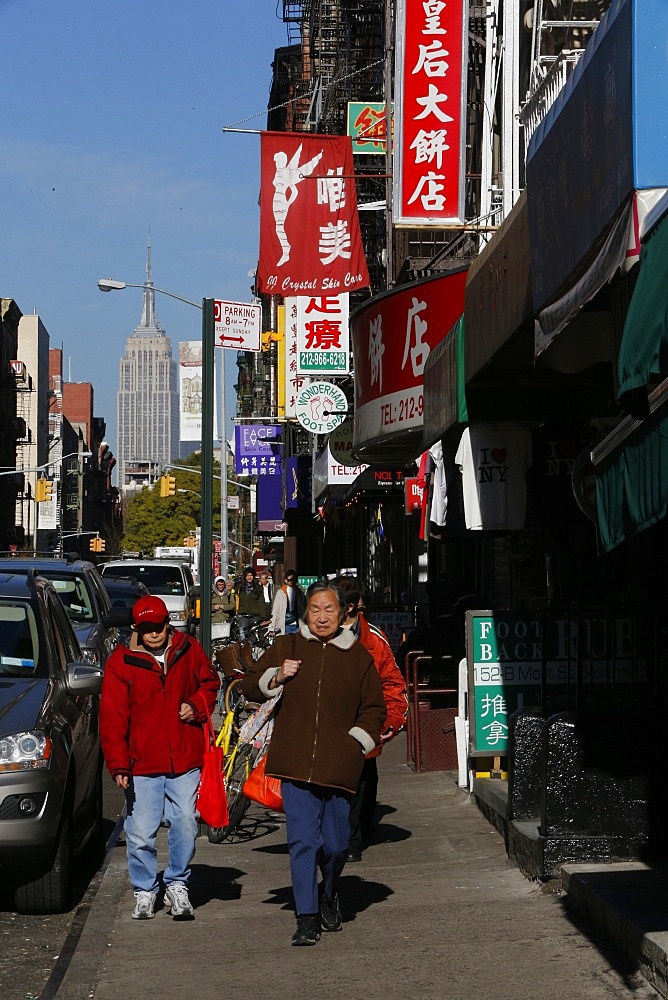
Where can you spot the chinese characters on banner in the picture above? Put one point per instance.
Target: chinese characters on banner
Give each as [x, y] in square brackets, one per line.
[310, 239]
[293, 382]
[323, 342]
[257, 450]
[430, 101]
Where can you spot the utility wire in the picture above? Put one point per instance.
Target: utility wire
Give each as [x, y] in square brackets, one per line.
[301, 97]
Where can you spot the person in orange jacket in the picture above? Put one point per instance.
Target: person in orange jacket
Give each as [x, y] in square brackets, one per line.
[363, 805]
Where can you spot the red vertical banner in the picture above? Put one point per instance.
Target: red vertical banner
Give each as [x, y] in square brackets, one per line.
[430, 112]
[310, 237]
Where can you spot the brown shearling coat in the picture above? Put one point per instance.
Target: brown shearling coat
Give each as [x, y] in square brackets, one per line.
[330, 714]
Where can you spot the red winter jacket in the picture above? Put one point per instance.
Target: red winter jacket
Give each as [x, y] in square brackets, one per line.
[394, 687]
[140, 727]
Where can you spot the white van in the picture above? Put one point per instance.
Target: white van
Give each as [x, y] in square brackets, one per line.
[169, 579]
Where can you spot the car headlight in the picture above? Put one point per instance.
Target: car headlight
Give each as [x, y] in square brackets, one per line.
[177, 616]
[25, 751]
[91, 656]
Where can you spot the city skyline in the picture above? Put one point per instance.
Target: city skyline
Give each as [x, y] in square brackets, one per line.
[94, 157]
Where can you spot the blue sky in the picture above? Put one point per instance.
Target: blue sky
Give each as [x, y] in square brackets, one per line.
[112, 118]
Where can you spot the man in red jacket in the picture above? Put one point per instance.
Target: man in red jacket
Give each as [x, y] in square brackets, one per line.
[363, 804]
[156, 695]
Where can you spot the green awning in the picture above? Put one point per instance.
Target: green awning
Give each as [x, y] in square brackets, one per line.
[643, 352]
[445, 385]
[632, 483]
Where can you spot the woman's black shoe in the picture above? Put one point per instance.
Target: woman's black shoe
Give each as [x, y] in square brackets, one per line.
[308, 929]
[330, 914]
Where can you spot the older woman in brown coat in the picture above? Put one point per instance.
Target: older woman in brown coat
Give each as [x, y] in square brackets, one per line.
[329, 716]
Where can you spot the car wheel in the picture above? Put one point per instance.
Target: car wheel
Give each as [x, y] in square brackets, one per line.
[48, 891]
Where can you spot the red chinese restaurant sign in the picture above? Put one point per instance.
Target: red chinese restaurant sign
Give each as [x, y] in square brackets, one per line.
[310, 239]
[429, 117]
[392, 337]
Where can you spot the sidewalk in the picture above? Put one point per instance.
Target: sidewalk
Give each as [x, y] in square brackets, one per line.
[435, 911]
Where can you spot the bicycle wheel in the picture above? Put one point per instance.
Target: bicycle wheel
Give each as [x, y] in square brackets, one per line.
[242, 763]
[233, 694]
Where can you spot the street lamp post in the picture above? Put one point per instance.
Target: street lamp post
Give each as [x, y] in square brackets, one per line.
[7, 471]
[208, 346]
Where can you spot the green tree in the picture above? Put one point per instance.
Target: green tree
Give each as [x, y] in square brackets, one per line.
[154, 520]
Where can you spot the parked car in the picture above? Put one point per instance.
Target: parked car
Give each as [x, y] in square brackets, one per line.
[50, 757]
[171, 580]
[123, 593]
[87, 603]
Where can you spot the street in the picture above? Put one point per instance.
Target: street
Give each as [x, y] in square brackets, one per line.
[31, 946]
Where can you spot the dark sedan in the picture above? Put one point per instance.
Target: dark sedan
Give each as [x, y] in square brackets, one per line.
[50, 758]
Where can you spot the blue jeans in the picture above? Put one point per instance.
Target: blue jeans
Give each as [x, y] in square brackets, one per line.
[148, 799]
[317, 822]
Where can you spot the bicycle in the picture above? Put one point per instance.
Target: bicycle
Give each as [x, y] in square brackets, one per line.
[243, 752]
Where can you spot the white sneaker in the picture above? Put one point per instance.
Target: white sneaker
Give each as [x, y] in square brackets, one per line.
[178, 902]
[144, 906]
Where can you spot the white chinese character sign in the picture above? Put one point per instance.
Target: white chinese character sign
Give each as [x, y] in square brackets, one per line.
[294, 383]
[323, 342]
[430, 106]
[310, 239]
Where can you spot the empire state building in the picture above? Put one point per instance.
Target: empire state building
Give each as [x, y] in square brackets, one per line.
[148, 406]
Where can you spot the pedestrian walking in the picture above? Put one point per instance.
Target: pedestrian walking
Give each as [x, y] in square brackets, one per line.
[267, 585]
[289, 604]
[330, 714]
[250, 599]
[156, 696]
[363, 805]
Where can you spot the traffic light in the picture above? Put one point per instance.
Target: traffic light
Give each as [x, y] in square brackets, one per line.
[167, 486]
[101, 545]
[43, 490]
[93, 544]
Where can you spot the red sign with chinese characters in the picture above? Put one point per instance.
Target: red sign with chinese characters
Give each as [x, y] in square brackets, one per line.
[392, 338]
[430, 105]
[310, 239]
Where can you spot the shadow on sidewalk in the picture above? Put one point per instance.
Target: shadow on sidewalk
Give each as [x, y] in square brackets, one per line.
[209, 882]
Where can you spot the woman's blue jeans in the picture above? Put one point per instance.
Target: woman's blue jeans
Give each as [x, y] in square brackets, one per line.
[148, 800]
[318, 830]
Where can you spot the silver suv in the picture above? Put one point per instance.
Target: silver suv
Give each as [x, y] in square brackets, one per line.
[86, 601]
[169, 579]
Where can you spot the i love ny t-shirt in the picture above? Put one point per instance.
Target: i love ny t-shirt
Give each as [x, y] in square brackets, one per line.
[494, 459]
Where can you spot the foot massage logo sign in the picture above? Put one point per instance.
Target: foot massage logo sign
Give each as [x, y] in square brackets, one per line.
[321, 407]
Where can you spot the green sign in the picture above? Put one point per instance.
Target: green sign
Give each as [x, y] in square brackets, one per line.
[306, 581]
[504, 651]
[367, 126]
[316, 362]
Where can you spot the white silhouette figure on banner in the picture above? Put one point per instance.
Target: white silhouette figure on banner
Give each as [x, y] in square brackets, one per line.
[287, 177]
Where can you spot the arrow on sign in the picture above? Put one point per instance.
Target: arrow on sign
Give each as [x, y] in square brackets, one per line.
[236, 340]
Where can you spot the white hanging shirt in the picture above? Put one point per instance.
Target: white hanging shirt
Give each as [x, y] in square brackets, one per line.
[494, 459]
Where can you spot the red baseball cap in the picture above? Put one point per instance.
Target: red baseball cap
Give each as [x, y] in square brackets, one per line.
[150, 610]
